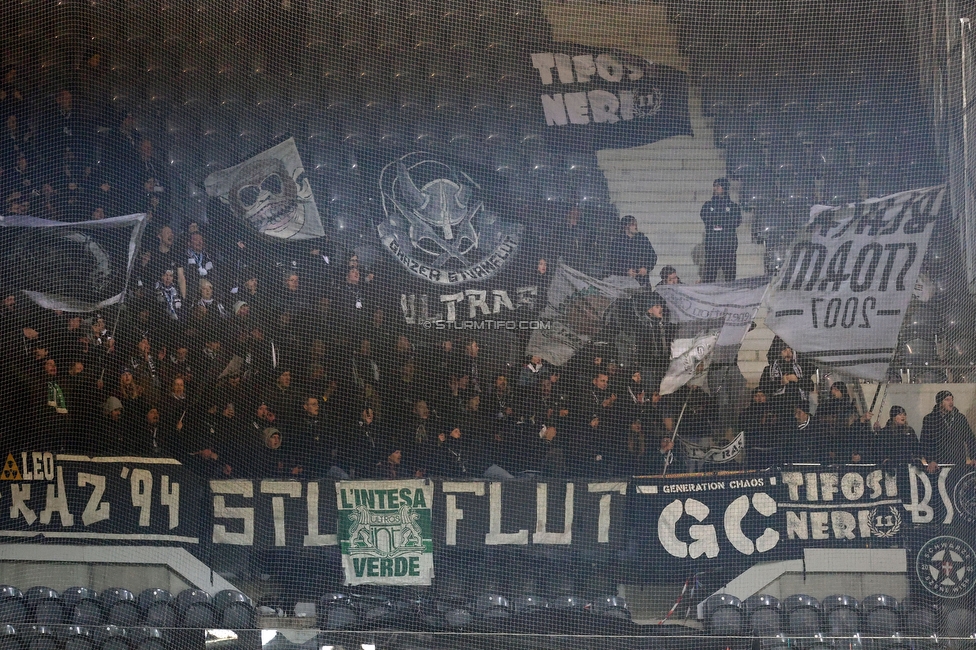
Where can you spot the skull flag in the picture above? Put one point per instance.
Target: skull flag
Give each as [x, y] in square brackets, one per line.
[270, 192]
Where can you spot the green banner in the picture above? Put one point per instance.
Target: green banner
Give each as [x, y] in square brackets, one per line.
[385, 531]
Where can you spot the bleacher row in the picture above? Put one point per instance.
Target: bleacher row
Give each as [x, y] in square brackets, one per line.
[836, 617]
[116, 619]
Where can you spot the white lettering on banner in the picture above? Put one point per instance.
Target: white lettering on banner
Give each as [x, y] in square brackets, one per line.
[416, 308]
[477, 300]
[169, 498]
[829, 497]
[736, 512]
[605, 65]
[495, 536]
[602, 105]
[541, 536]
[842, 294]
[290, 488]
[38, 465]
[488, 265]
[140, 482]
[222, 511]
[705, 538]
[577, 108]
[920, 508]
[922, 512]
[944, 494]
[314, 538]
[454, 514]
[603, 521]
[824, 486]
[95, 510]
[57, 502]
[20, 494]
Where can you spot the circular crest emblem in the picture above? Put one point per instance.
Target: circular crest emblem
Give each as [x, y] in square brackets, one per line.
[884, 525]
[964, 497]
[648, 105]
[946, 567]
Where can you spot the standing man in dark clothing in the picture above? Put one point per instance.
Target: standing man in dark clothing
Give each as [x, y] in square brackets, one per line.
[721, 217]
[573, 244]
[946, 436]
[653, 342]
[631, 253]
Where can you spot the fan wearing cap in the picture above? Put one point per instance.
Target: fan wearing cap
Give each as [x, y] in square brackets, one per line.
[946, 436]
[272, 458]
[653, 341]
[631, 252]
[112, 431]
[896, 443]
[721, 218]
[808, 440]
[786, 380]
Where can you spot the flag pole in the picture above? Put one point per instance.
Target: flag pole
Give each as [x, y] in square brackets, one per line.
[670, 456]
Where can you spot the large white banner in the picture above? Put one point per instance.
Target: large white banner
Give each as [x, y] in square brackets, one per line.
[712, 321]
[842, 295]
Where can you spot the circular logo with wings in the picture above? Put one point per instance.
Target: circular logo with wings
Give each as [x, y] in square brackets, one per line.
[945, 566]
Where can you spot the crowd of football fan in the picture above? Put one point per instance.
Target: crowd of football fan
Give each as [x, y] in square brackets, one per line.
[244, 367]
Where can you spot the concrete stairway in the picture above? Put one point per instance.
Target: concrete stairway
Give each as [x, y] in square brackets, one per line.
[664, 184]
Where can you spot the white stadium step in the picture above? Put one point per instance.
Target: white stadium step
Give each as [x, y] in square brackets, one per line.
[663, 185]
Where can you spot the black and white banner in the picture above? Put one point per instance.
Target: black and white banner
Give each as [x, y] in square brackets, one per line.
[842, 294]
[719, 455]
[271, 193]
[712, 321]
[575, 309]
[670, 526]
[599, 98]
[71, 267]
[437, 224]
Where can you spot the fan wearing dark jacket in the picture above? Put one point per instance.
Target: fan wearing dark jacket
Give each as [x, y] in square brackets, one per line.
[631, 253]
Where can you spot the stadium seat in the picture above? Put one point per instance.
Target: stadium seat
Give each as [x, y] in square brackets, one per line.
[158, 608]
[76, 637]
[337, 612]
[724, 615]
[840, 615]
[81, 606]
[196, 609]
[10, 639]
[764, 614]
[959, 622]
[880, 615]
[491, 606]
[146, 638]
[917, 353]
[803, 619]
[44, 606]
[611, 607]
[41, 637]
[13, 607]
[921, 618]
[592, 190]
[377, 611]
[234, 609]
[109, 637]
[120, 607]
